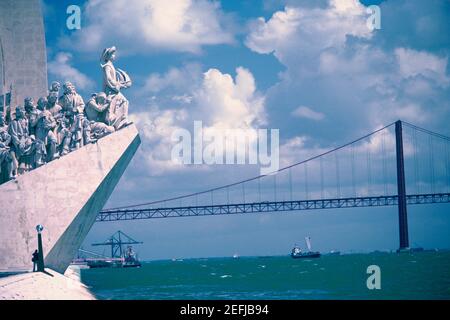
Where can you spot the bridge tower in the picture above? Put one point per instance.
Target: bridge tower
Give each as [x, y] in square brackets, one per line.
[401, 187]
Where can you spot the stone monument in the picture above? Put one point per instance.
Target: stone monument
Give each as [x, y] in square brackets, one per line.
[64, 196]
[61, 161]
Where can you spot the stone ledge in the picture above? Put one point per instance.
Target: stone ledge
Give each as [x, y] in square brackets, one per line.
[41, 286]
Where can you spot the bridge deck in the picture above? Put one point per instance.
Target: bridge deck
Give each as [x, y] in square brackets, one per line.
[274, 206]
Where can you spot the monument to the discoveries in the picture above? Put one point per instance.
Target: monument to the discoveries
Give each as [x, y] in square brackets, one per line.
[65, 155]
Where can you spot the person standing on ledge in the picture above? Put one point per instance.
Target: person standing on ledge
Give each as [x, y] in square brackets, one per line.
[35, 260]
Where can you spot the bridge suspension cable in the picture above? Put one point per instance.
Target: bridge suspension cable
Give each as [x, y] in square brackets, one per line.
[371, 156]
[260, 176]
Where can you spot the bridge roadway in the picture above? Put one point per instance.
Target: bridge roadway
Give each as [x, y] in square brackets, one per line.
[261, 207]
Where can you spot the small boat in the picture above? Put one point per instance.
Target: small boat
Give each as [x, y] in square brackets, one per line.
[119, 258]
[130, 260]
[297, 253]
[235, 256]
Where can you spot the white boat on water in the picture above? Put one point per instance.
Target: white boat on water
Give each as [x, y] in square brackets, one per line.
[297, 253]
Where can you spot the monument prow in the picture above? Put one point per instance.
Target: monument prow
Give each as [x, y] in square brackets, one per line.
[60, 157]
[64, 196]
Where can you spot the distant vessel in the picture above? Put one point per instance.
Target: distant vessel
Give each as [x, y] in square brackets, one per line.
[120, 258]
[297, 253]
[130, 259]
[91, 263]
[95, 260]
[235, 256]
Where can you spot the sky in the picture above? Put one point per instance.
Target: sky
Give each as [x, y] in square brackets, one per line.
[312, 69]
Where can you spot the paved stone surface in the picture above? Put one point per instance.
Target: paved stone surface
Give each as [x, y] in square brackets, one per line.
[44, 286]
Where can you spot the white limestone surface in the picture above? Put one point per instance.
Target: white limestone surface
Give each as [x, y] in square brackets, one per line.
[44, 286]
[64, 196]
[23, 56]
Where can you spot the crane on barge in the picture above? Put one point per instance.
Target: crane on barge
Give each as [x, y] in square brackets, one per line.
[120, 257]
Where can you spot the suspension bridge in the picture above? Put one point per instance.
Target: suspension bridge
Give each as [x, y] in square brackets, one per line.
[371, 171]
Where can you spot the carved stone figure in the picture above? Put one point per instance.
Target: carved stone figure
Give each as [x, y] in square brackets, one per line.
[72, 105]
[71, 101]
[77, 130]
[87, 132]
[59, 124]
[6, 158]
[22, 142]
[97, 107]
[31, 114]
[99, 130]
[42, 104]
[64, 135]
[53, 105]
[55, 86]
[46, 141]
[8, 114]
[60, 132]
[113, 81]
[3, 123]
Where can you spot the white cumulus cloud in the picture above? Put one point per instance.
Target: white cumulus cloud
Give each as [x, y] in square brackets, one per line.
[178, 80]
[218, 99]
[230, 103]
[351, 74]
[302, 32]
[61, 68]
[412, 63]
[142, 25]
[308, 113]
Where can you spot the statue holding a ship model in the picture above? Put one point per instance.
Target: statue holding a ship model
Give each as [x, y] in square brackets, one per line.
[58, 125]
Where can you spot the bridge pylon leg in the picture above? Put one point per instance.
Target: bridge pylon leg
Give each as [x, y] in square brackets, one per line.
[401, 187]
